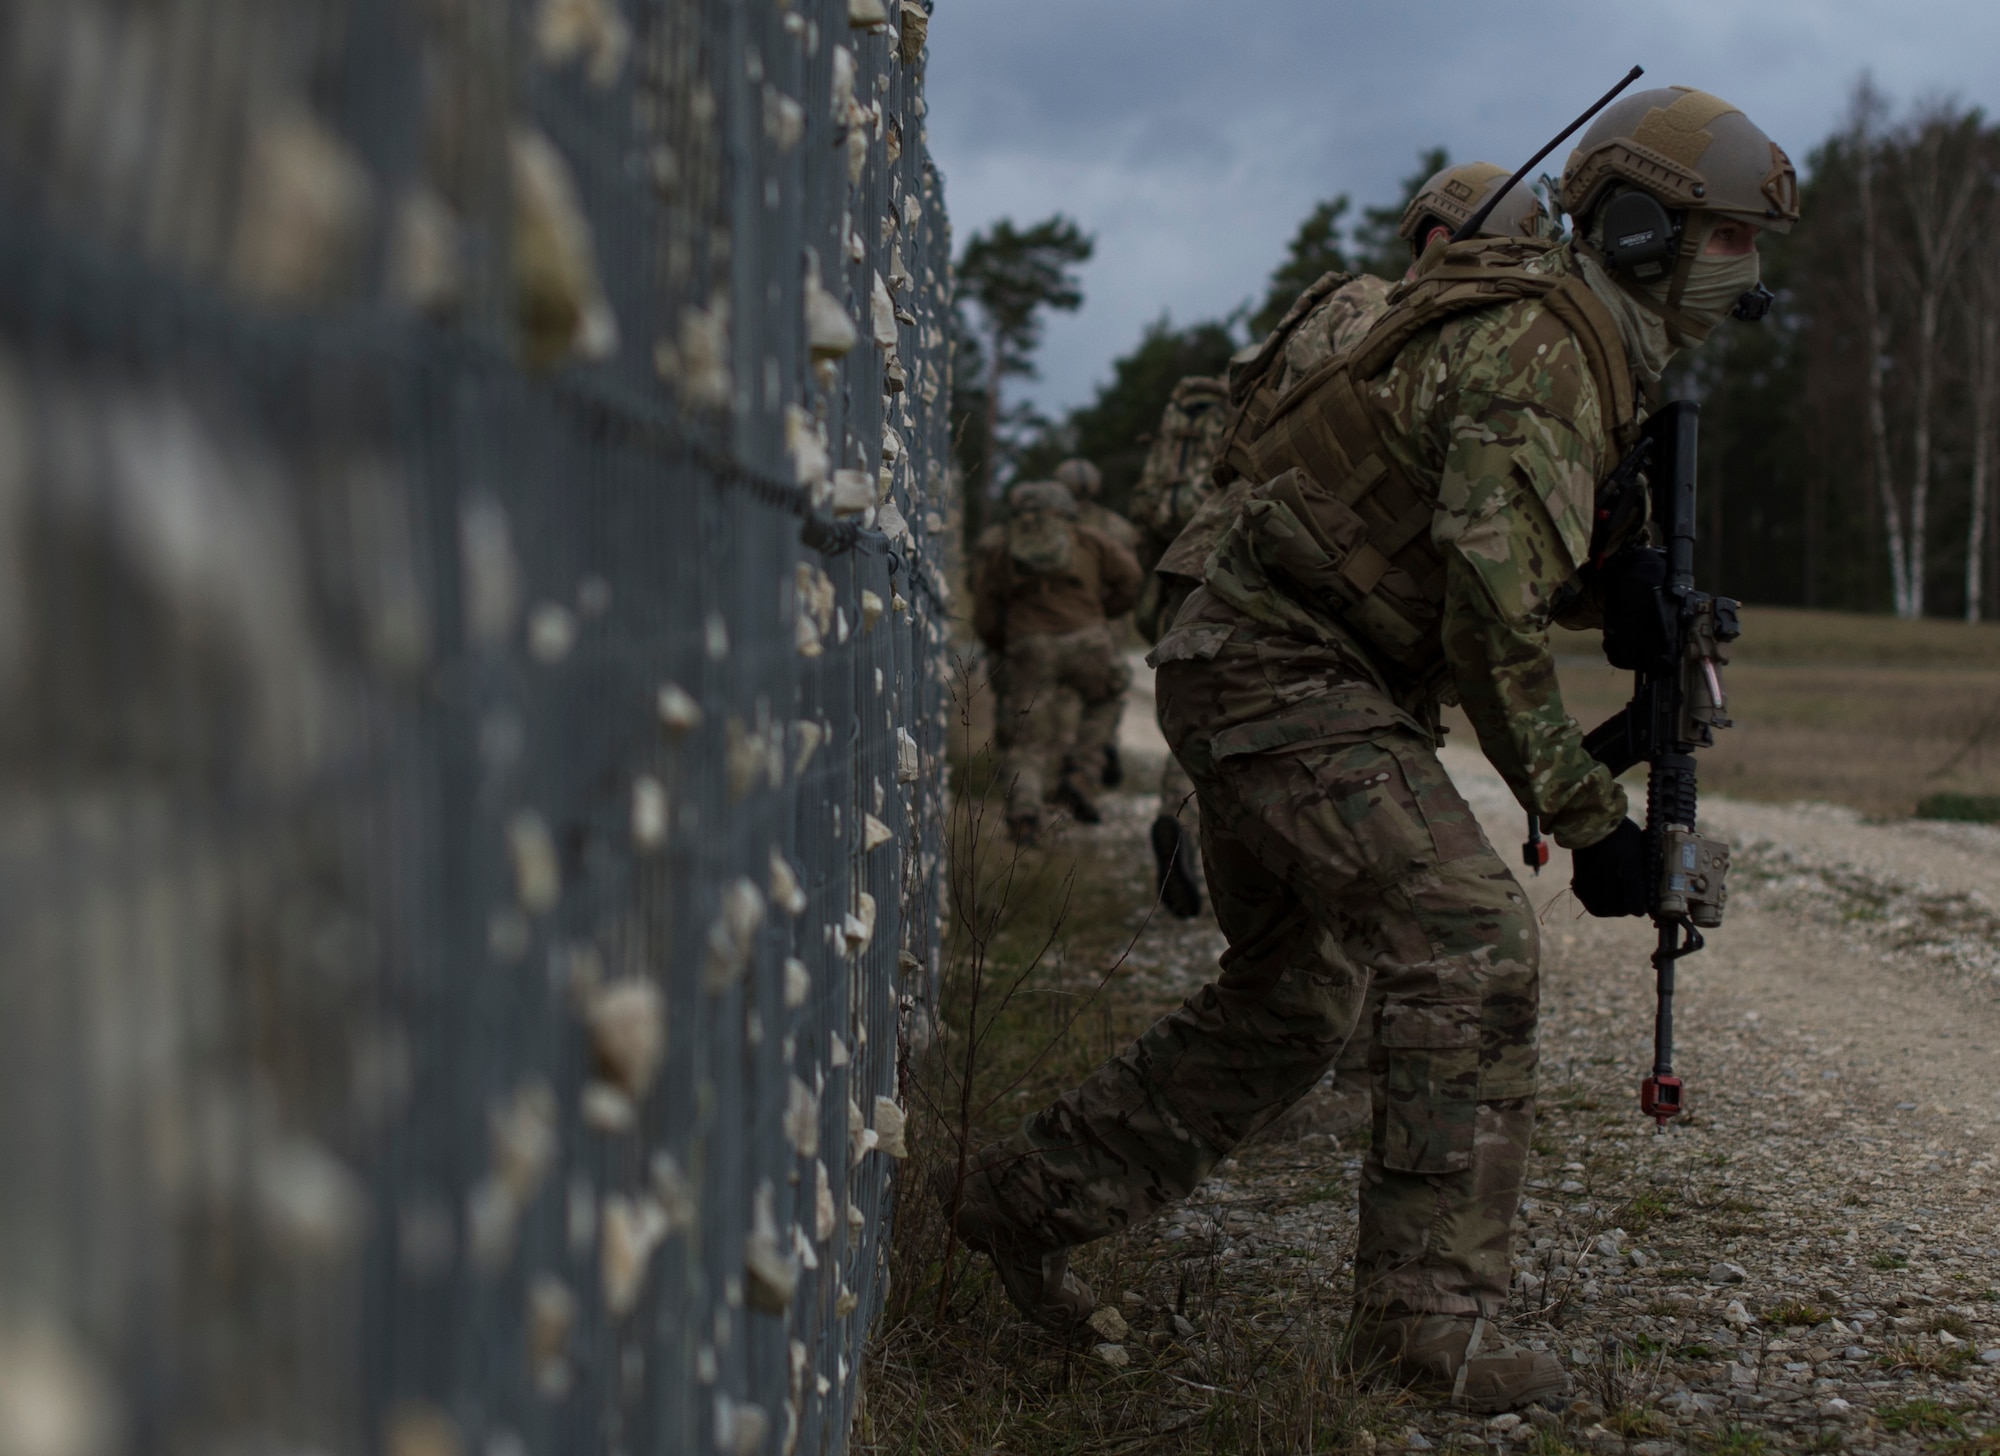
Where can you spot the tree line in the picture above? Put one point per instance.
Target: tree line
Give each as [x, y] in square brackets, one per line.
[1848, 442]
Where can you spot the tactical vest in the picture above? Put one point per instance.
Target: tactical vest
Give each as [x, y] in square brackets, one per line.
[1334, 520]
[1221, 496]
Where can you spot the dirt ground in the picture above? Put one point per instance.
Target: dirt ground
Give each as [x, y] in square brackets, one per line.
[1809, 1260]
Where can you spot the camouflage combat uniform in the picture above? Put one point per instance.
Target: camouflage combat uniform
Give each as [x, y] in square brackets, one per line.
[1347, 872]
[1047, 620]
[1338, 310]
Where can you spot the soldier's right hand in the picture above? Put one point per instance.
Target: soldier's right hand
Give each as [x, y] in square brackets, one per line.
[1609, 877]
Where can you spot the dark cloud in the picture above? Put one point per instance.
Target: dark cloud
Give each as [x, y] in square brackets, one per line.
[1191, 137]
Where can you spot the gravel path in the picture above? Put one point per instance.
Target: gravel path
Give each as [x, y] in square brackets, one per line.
[1811, 1258]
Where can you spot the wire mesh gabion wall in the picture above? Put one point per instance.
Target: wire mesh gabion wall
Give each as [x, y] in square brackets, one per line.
[471, 711]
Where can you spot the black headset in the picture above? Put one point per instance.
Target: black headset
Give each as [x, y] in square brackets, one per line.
[1641, 238]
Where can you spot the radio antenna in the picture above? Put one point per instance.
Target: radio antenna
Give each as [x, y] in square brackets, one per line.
[1472, 224]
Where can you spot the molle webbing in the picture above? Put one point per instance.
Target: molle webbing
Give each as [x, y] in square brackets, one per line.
[1389, 581]
[1246, 374]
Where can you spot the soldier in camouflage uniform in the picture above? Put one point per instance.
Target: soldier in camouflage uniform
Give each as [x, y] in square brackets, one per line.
[1042, 594]
[1085, 483]
[1344, 1099]
[1424, 501]
[1335, 311]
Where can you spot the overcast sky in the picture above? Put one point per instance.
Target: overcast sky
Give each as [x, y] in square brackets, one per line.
[1190, 136]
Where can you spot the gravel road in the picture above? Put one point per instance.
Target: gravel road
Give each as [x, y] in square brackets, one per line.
[1811, 1257]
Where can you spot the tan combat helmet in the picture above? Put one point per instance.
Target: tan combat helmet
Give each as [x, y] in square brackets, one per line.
[1452, 195]
[1083, 479]
[1048, 496]
[1692, 151]
[1655, 173]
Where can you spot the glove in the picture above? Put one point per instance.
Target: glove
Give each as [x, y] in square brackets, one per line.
[1609, 877]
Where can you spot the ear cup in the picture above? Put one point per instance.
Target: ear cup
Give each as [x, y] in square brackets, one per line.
[1640, 236]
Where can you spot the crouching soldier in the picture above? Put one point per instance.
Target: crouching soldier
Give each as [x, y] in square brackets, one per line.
[1418, 507]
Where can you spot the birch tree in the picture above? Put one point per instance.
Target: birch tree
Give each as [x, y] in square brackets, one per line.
[1937, 180]
[1867, 109]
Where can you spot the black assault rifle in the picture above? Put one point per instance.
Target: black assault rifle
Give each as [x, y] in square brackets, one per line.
[1674, 640]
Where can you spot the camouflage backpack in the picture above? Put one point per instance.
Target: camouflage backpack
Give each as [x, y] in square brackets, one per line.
[1176, 480]
[1326, 315]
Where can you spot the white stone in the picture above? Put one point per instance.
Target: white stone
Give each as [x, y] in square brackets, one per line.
[1109, 1323]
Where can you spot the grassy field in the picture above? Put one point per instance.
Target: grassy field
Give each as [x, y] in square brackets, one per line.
[1867, 711]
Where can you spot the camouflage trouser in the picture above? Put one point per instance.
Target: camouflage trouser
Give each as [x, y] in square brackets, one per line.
[1346, 875]
[1039, 667]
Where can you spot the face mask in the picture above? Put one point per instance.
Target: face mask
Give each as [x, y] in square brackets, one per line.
[1714, 284]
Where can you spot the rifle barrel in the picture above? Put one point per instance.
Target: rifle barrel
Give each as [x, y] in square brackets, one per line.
[1663, 985]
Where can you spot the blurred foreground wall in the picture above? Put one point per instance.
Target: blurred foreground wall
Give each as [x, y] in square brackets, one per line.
[470, 716]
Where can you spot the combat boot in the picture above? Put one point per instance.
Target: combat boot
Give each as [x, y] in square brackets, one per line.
[1114, 767]
[1173, 851]
[1037, 1277]
[1457, 1356]
[1073, 793]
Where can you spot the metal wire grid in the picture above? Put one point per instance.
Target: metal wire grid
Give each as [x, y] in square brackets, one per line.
[348, 776]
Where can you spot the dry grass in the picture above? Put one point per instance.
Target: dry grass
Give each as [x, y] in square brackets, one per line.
[1865, 711]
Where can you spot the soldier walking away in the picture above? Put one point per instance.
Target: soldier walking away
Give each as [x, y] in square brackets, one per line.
[1451, 195]
[1043, 594]
[1086, 483]
[1423, 504]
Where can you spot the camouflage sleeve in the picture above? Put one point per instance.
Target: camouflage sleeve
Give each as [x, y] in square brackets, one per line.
[1118, 573]
[1512, 468]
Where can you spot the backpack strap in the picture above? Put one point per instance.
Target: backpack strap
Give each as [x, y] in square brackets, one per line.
[1583, 313]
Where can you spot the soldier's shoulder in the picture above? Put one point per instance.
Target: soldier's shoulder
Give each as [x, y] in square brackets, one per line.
[1104, 537]
[1521, 350]
[990, 538]
[1360, 291]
